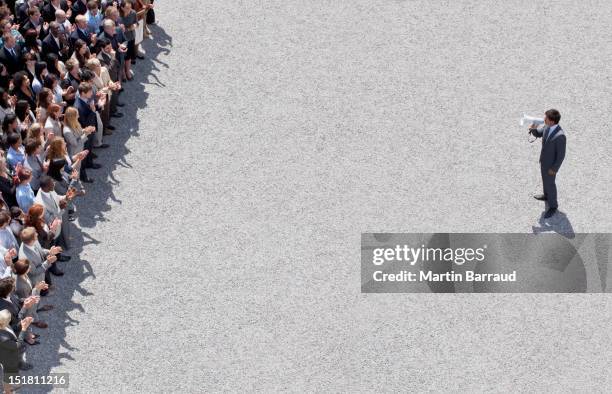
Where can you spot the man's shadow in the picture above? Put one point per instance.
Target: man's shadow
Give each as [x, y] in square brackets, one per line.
[558, 223]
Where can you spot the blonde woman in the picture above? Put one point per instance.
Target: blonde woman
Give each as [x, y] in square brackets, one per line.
[76, 136]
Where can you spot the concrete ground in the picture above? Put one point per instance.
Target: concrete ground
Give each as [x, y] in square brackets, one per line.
[220, 244]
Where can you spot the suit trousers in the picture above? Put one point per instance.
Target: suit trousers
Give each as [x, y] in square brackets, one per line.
[550, 187]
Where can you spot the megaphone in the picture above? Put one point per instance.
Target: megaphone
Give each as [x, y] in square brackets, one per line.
[527, 120]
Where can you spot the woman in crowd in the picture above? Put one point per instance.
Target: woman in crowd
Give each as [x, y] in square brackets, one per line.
[25, 117]
[53, 123]
[45, 99]
[5, 104]
[55, 66]
[10, 125]
[81, 52]
[52, 83]
[46, 234]
[22, 89]
[61, 165]
[40, 72]
[31, 44]
[24, 193]
[6, 26]
[129, 20]
[75, 137]
[17, 220]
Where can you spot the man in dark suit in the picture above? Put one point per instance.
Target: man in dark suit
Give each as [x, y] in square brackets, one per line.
[551, 157]
[54, 42]
[87, 117]
[9, 55]
[81, 32]
[34, 22]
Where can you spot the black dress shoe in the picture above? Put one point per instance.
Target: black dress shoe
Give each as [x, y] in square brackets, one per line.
[63, 257]
[57, 272]
[140, 56]
[117, 115]
[110, 127]
[120, 104]
[550, 213]
[95, 166]
[103, 146]
[540, 197]
[25, 366]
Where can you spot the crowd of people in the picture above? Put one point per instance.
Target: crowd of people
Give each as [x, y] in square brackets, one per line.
[63, 66]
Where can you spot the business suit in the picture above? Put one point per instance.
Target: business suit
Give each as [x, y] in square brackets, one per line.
[551, 158]
[17, 311]
[53, 211]
[23, 290]
[50, 45]
[87, 117]
[37, 256]
[34, 163]
[11, 349]
[11, 62]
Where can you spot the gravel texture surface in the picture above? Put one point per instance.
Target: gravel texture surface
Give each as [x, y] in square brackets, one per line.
[220, 244]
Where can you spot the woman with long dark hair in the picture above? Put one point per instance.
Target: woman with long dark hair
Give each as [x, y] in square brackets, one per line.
[22, 90]
[40, 72]
[5, 104]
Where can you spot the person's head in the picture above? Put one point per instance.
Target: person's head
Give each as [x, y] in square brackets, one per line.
[87, 76]
[552, 117]
[57, 148]
[5, 318]
[53, 63]
[21, 267]
[16, 213]
[85, 90]
[14, 140]
[92, 7]
[30, 39]
[34, 14]
[72, 66]
[21, 80]
[71, 119]
[5, 26]
[7, 285]
[24, 175]
[5, 219]
[54, 28]
[105, 44]
[8, 40]
[81, 22]
[29, 236]
[54, 111]
[80, 47]
[47, 184]
[22, 109]
[35, 216]
[109, 26]
[94, 66]
[40, 70]
[60, 16]
[45, 97]
[35, 132]
[9, 124]
[126, 7]
[33, 146]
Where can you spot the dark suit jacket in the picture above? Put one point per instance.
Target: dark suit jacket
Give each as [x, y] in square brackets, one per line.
[553, 148]
[10, 352]
[14, 308]
[87, 117]
[12, 64]
[78, 8]
[50, 46]
[48, 11]
[29, 25]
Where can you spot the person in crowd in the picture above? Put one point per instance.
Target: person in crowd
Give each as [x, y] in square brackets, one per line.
[33, 162]
[5, 105]
[11, 348]
[25, 290]
[75, 137]
[40, 72]
[7, 239]
[53, 123]
[23, 192]
[21, 86]
[17, 220]
[10, 125]
[93, 17]
[16, 154]
[6, 26]
[129, 21]
[51, 7]
[56, 207]
[40, 259]
[10, 55]
[46, 234]
[7, 188]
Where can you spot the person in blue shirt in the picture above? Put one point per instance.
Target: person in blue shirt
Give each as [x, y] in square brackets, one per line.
[24, 193]
[16, 153]
[93, 17]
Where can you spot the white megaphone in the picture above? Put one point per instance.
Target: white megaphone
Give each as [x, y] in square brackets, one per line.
[527, 120]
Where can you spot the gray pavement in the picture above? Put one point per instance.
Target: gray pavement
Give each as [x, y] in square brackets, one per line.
[222, 253]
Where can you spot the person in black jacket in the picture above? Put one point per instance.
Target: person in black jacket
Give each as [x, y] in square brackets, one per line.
[12, 348]
[551, 157]
[10, 55]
